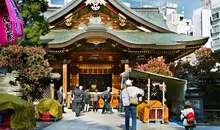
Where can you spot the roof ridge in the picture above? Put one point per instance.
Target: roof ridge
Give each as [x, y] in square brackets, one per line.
[137, 14]
[62, 8]
[118, 4]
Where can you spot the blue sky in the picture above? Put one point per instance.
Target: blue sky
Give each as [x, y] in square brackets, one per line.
[189, 5]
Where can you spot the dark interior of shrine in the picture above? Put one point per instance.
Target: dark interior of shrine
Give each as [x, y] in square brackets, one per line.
[95, 81]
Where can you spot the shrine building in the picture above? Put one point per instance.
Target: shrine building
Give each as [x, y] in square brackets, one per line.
[91, 42]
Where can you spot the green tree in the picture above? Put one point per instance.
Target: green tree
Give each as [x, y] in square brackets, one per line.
[30, 64]
[35, 24]
[206, 62]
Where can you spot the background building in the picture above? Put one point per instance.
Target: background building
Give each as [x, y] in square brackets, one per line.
[205, 3]
[215, 6]
[58, 3]
[202, 24]
[175, 21]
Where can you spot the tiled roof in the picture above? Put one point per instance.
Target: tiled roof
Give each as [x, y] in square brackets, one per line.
[132, 37]
[152, 17]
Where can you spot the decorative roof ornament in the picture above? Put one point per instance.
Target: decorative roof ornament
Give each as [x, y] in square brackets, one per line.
[95, 57]
[95, 20]
[123, 20]
[68, 20]
[95, 4]
[96, 41]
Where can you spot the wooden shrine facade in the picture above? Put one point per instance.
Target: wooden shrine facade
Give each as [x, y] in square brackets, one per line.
[104, 37]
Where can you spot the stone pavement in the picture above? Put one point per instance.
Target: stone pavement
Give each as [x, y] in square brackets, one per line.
[98, 121]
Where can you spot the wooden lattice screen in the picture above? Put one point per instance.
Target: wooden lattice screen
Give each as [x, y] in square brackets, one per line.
[41, 93]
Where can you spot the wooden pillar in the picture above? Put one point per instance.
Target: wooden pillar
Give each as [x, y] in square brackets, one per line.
[148, 90]
[115, 83]
[75, 80]
[68, 78]
[65, 78]
[74, 70]
[163, 100]
[52, 90]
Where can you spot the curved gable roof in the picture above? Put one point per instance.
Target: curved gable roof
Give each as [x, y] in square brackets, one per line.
[64, 38]
[152, 20]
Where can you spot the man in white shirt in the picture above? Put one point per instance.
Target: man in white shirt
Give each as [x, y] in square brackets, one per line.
[130, 109]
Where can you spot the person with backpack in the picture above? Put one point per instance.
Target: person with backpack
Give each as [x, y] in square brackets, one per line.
[106, 95]
[188, 116]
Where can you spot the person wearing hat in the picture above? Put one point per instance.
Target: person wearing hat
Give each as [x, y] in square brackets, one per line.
[106, 95]
[130, 109]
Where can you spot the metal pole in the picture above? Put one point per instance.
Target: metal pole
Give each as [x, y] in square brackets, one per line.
[148, 96]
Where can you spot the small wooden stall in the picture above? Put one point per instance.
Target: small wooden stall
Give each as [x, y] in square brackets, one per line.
[172, 91]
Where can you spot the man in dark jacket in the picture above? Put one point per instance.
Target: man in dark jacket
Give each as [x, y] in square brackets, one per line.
[106, 95]
[60, 98]
[77, 100]
[72, 98]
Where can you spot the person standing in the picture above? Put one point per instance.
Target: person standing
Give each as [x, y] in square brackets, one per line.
[96, 98]
[120, 105]
[106, 95]
[87, 98]
[61, 98]
[77, 100]
[188, 116]
[130, 109]
[72, 97]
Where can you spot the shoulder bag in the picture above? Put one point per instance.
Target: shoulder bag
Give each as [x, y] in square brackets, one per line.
[133, 100]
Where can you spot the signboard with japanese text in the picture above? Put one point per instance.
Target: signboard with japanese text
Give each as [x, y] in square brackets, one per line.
[11, 22]
[15, 16]
[7, 28]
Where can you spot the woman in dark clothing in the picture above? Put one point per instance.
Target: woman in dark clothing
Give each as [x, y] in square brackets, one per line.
[87, 98]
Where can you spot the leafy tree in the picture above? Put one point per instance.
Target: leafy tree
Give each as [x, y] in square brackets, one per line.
[201, 75]
[205, 60]
[184, 70]
[29, 62]
[156, 65]
[35, 24]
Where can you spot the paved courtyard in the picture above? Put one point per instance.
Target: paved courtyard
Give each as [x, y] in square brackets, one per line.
[98, 121]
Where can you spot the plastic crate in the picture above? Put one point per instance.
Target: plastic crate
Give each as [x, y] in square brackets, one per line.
[0, 119]
[45, 116]
[6, 122]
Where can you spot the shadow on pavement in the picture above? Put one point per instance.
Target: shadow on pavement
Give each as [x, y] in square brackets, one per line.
[41, 125]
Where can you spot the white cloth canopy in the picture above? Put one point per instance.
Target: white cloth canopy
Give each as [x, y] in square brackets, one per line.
[175, 88]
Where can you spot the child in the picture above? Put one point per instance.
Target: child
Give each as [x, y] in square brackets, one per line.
[188, 116]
